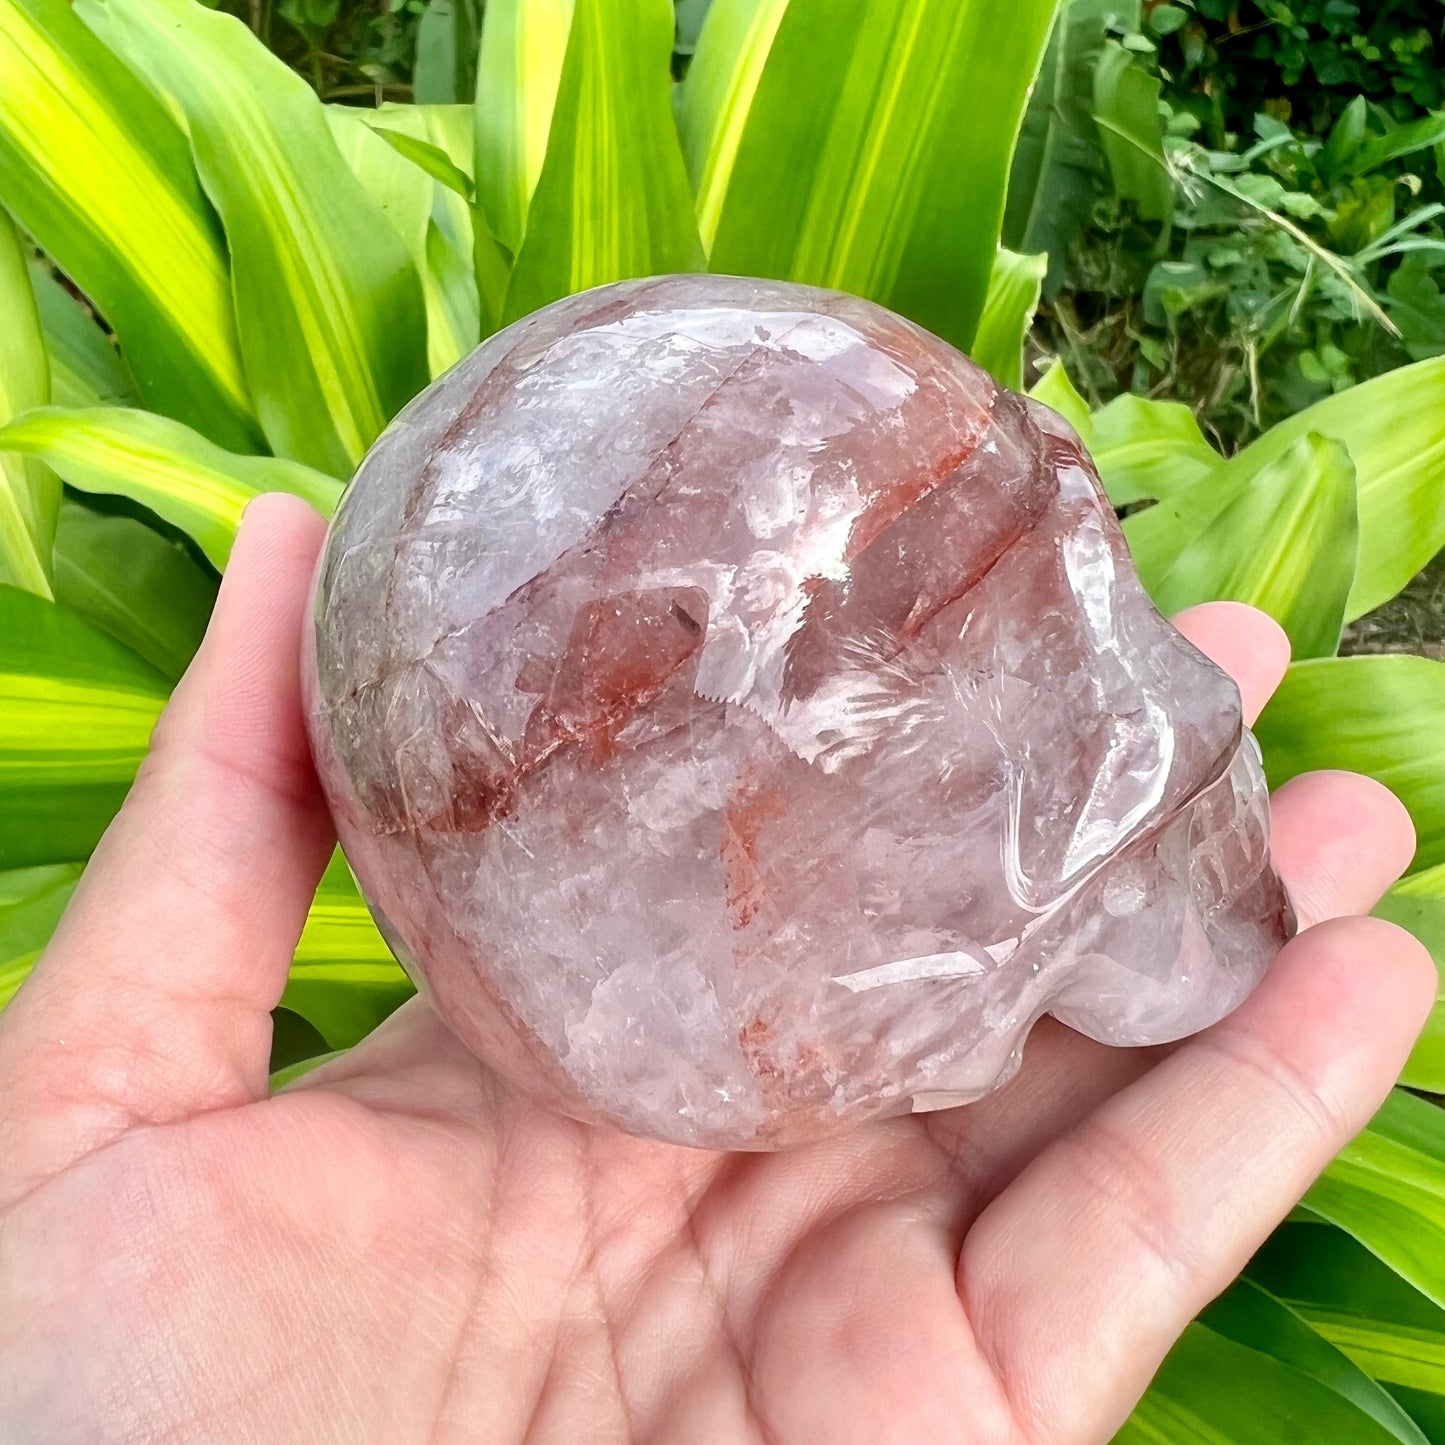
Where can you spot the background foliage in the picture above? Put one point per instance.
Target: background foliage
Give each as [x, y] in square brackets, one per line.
[232, 246]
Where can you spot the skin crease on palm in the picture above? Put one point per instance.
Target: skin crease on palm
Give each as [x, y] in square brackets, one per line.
[399, 1249]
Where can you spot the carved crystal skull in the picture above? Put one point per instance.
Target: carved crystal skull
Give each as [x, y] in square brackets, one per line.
[743, 718]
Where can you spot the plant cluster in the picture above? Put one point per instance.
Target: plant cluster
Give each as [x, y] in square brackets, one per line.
[364, 53]
[1303, 61]
[212, 284]
[1246, 272]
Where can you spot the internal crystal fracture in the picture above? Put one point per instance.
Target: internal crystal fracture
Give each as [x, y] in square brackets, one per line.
[744, 719]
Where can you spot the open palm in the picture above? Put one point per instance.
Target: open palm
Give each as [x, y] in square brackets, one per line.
[398, 1248]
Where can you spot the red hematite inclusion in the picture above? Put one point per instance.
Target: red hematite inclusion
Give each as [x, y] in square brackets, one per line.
[744, 719]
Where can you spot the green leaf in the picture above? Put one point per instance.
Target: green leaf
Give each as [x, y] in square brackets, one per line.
[141, 588]
[403, 192]
[293, 1040]
[446, 51]
[1357, 1303]
[400, 190]
[1166, 19]
[875, 150]
[343, 980]
[431, 159]
[1056, 389]
[292, 1072]
[518, 72]
[1404, 140]
[1287, 546]
[1214, 1391]
[467, 276]
[1418, 904]
[29, 492]
[1149, 449]
[1059, 169]
[454, 233]
[1144, 450]
[1387, 1189]
[613, 198]
[162, 465]
[690, 16]
[1013, 297]
[1426, 1410]
[328, 302]
[1375, 715]
[31, 902]
[76, 713]
[715, 99]
[100, 175]
[1345, 138]
[1390, 426]
[1126, 110]
[85, 367]
[1250, 1315]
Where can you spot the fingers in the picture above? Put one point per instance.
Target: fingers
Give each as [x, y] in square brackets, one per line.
[1082, 1274]
[153, 999]
[1339, 840]
[1249, 645]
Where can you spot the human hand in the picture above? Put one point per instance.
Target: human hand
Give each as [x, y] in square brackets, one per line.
[399, 1248]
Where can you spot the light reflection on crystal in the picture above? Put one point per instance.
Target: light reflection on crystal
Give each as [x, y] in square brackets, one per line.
[745, 718]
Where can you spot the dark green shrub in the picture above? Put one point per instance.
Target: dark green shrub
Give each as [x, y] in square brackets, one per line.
[1300, 60]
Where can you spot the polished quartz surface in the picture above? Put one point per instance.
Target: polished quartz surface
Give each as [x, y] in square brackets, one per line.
[744, 718]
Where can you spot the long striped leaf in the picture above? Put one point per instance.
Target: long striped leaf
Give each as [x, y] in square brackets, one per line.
[101, 176]
[429, 158]
[613, 199]
[875, 151]
[1250, 1315]
[164, 466]
[328, 302]
[1059, 170]
[31, 902]
[518, 71]
[400, 189]
[1387, 1189]
[29, 491]
[717, 96]
[467, 267]
[449, 236]
[145, 590]
[1391, 427]
[1418, 903]
[1375, 715]
[85, 367]
[1215, 1391]
[1357, 1303]
[1131, 131]
[343, 980]
[446, 50]
[76, 713]
[1286, 545]
[1008, 312]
